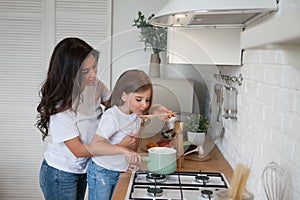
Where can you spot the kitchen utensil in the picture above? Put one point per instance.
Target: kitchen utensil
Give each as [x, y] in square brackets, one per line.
[168, 133]
[274, 181]
[222, 132]
[230, 102]
[158, 115]
[219, 93]
[196, 157]
[161, 160]
[220, 99]
[192, 151]
[178, 144]
[239, 180]
[197, 139]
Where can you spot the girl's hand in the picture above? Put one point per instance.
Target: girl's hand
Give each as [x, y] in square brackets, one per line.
[160, 109]
[132, 157]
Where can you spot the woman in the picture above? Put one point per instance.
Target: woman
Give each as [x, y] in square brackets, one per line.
[68, 111]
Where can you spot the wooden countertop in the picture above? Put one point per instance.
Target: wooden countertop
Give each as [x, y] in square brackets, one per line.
[217, 163]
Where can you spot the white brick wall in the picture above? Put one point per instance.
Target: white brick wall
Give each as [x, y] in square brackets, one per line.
[268, 124]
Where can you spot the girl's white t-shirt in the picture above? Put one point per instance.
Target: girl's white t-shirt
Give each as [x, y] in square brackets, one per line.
[114, 126]
[67, 125]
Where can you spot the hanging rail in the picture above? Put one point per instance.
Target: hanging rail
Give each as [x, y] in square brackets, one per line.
[230, 79]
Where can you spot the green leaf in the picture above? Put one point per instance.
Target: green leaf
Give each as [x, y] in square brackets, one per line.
[155, 37]
[197, 124]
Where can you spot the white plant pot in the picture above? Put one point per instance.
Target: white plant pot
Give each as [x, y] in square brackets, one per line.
[197, 139]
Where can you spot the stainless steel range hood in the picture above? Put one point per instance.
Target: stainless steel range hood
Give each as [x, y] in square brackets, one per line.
[212, 13]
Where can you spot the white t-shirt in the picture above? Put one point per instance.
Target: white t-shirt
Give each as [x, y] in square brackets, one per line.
[66, 125]
[114, 126]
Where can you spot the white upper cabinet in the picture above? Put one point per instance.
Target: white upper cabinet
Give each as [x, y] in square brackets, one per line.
[280, 30]
[204, 46]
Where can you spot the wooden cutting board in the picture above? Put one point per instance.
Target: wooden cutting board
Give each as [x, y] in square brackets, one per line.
[195, 157]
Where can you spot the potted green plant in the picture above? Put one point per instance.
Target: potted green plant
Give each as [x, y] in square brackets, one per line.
[197, 124]
[197, 128]
[154, 37]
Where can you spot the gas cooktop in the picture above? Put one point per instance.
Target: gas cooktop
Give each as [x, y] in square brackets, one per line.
[175, 186]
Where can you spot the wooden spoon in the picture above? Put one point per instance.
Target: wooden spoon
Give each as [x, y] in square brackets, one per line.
[158, 115]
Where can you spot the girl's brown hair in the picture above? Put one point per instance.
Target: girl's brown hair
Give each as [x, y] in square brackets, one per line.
[130, 81]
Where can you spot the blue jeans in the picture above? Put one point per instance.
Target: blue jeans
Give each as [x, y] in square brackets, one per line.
[60, 185]
[101, 182]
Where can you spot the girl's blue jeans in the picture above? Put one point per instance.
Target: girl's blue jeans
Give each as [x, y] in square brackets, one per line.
[101, 182]
[60, 185]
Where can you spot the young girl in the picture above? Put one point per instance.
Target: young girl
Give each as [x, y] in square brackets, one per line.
[131, 97]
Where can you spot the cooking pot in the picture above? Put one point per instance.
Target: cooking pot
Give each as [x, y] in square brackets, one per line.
[161, 160]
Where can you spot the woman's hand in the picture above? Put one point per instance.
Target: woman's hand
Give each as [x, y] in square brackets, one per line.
[132, 157]
[78, 149]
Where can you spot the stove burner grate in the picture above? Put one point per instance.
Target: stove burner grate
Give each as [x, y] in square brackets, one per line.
[202, 179]
[156, 177]
[155, 192]
[206, 193]
[177, 185]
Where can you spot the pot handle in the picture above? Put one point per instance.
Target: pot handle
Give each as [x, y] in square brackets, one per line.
[145, 159]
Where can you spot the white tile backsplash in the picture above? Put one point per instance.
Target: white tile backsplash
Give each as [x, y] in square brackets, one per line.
[252, 89]
[268, 124]
[268, 57]
[258, 73]
[251, 56]
[284, 99]
[297, 104]
[291, 77]
[281, 58]
[296, 157]
[265, 94]
[291, 126]
[274, 75]
[273, 117]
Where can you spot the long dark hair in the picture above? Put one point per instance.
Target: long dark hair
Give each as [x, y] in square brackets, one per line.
[63, 82]
[130, 81]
